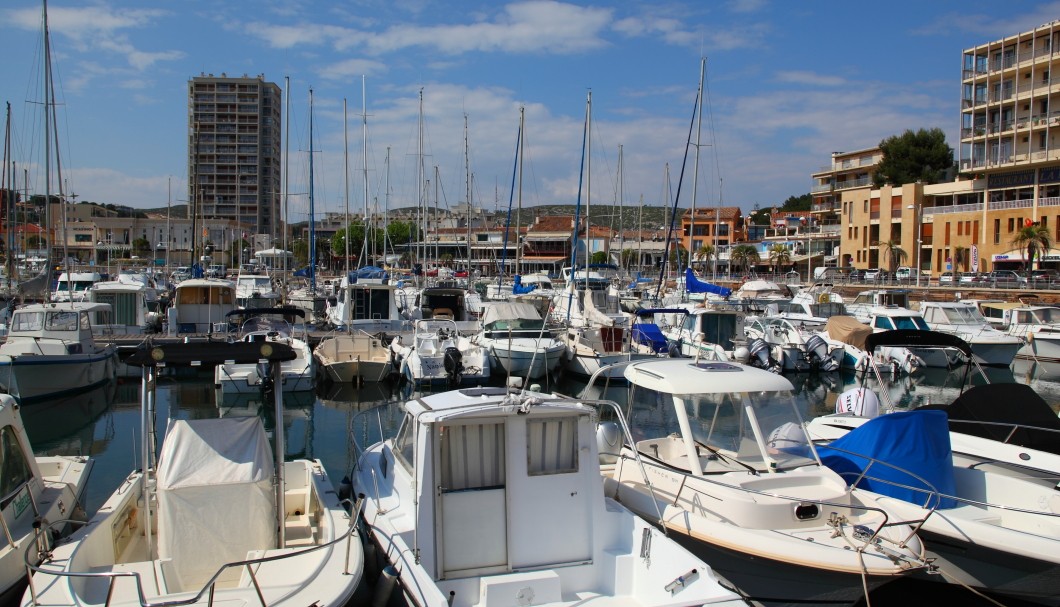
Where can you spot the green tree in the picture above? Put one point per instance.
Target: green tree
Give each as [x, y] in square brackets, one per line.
[627, 258]
[598, 257]
[779, 255]
[704, 254]
[743, 256]
[797, 203]
[961, 258]
[896, 254]
[141, 247]
[1033, 238]
[300, 250]
[913, 156]
[679, 258]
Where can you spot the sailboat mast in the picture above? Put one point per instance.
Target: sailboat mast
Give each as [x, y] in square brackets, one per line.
[588, 181]
[519, 214]
[621, 195]
[8, 188]
[364, 150]
[467, 196]
[312, 216]
[422, 246]
[346, 184]
[386, 206]
[695, 170]
[47, 152]
[286, 169]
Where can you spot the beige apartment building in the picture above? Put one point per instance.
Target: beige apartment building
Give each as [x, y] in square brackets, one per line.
[1008, 172]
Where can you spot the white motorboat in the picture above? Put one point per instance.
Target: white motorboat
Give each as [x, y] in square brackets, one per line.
[36, 488]
[490, 497]
[859, 356]
[74, 286]
[1037, 325]
[897, 318]
[268, 326]
[50, 350]
[962, 319]
[365, 301]
[201, 306]
[446, 303]
[983, 529]
[217, 518]
[439, 354]
[864, 302]
[793, 345]
[134, 305]
[256, 290]
[518, 343]
[711, 331]
[354, 357]
[721, 460]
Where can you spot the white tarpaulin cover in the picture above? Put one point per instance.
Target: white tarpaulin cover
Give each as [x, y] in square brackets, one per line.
[215, 497]
[509, 311]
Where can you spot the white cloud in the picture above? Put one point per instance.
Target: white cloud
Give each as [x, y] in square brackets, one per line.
[809, 78]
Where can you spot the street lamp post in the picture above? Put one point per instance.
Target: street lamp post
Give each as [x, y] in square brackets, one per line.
[919, 244]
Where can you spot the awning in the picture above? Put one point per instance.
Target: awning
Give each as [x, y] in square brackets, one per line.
[543, 238]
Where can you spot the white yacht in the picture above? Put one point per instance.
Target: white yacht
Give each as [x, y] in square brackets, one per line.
[218, 517]
[721, 460]
[712, 331]
[50, 350]
[368, 304]
[256, 290]
[268, 326]
[962, 319]
[201, 306]
[909, 358]
[37, 488]
[355, 357]
[518, 343]
[515, 512]
[862, 305]
[134, 304]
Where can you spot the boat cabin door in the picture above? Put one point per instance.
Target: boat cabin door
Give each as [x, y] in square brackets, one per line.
[471, 475]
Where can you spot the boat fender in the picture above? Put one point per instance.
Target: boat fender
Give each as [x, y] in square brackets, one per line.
[858, 401]
[608, 442]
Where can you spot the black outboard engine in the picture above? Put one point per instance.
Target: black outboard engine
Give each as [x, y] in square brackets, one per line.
[817, 353]
[454, 366]
[760, 357]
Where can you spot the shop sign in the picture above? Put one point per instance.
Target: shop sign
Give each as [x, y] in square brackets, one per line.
[1049, 175]
[1008, 180]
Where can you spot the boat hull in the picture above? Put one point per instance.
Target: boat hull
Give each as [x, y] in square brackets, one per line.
[31, 378]
[530, 362]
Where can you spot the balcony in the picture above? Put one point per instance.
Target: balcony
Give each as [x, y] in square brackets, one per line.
[957, 208]
[821, 187]
[853, 183]
[823, 207]
[1010, 204]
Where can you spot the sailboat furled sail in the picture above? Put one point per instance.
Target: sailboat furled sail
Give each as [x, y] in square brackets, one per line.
[695, 285]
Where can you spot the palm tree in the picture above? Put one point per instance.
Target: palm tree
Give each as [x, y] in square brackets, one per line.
[1033, 238]
[896, 253]
[705, 253]
[779, 255]
[628, 256]
[960, 258]
[743, 255]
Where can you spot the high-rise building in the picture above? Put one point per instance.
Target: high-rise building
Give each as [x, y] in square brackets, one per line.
[234, 151]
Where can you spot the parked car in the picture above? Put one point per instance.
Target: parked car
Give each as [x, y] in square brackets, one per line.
[870, 274]
[884, 276]
[946, 278]
[1005, 279]
[856, 275]
[968, 278]
[1043, 278]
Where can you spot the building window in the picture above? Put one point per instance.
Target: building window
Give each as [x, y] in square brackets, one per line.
[960, 228]
[947, 240]
[975, 232]
[997, 231]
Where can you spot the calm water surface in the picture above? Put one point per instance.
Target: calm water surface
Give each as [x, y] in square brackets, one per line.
[105, 424]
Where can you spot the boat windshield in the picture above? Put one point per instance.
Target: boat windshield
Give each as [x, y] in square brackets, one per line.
[964, 315]
[910, 322]
[831, 308]
[1044, 316]
[516, 324]
[760, 429]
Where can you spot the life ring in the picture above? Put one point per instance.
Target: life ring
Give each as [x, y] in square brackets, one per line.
[822, 298]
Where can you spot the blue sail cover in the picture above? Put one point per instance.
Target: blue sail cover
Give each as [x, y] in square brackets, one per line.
[695, 285]
[303, 273]
[913, 441]
[649, 334]
[367, 272]
[518, 288]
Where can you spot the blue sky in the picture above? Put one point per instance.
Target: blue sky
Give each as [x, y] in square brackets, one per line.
[787, 84]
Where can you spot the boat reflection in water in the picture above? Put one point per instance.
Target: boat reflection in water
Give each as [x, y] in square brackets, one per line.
[67, 425]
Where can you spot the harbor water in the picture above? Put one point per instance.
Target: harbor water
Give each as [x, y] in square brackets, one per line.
[105, 424]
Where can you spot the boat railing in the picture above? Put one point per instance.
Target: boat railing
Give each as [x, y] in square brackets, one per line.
[39, 550]
[1013, 427]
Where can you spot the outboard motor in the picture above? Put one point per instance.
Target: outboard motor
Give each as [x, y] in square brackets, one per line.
[858, 401]
[817, 353]
[760, 357]
[454, 366]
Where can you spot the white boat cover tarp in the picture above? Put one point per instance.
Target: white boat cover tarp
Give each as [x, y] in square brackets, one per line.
[509, 311]
[215, 497]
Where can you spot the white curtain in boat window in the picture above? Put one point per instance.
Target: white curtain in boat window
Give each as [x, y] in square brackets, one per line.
[551, 446]
[472, 456]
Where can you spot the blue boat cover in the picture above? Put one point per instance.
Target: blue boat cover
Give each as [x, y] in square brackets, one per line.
[518, 288]
[913, 441]
[695, 285]
[303, 273]
[367, 272]
[649, 334]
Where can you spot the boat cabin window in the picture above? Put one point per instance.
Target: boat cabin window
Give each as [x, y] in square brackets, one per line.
[551, 446]
[27, 321]
[1043, 316]
[205, 295]
[405, 444]
[992, 312]
[882, 322]
[831, 308]
[471, 456]
[123, 304]
[65, 320]
[14, 470]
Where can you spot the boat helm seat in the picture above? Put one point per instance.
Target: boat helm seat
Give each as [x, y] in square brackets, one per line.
[442, 313]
